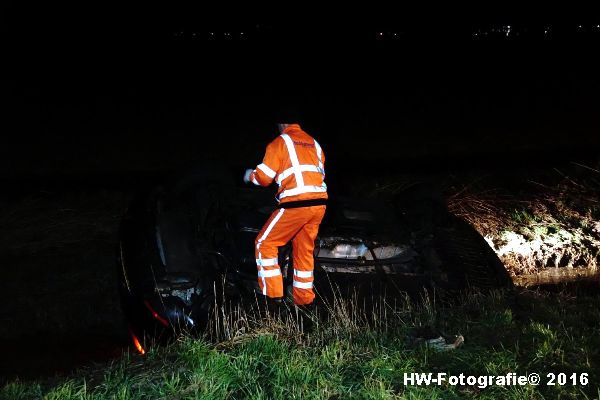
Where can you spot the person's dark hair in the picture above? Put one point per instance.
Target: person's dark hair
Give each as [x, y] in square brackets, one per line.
[288, 114]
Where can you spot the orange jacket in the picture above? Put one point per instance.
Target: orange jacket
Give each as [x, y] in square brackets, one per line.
[296, 162]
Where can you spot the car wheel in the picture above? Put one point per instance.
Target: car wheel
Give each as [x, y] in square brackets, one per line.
[467, 259]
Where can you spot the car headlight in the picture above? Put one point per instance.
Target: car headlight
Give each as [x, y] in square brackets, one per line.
[360, 250]
[344, 250]
[384, 252]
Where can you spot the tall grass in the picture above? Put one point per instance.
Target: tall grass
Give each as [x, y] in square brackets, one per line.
[357, 352]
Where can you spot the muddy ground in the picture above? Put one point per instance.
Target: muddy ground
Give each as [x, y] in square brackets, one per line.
[539, 222]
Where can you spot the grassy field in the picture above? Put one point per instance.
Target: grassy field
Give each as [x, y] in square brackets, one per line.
[64, 311]
[353, 353]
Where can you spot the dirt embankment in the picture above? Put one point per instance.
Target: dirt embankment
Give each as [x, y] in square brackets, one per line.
[541, 223]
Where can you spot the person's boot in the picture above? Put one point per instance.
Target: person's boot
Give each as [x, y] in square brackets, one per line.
[274, 306]
[268, 307]
[306, 316]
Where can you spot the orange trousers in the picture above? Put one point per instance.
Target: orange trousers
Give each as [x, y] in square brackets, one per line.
[300, 225]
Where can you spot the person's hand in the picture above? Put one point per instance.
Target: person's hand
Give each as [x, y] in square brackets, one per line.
[247, 175]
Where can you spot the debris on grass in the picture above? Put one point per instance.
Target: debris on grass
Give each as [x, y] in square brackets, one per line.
[441, 344]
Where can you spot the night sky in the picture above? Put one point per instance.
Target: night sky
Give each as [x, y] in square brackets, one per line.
[109, 87]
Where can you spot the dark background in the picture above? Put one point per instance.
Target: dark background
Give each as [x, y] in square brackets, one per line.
[100, 88]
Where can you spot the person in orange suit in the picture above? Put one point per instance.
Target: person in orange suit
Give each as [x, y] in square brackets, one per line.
[295, 161]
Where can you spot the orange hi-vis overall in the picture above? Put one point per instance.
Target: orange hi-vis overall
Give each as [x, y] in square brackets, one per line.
[296, 162]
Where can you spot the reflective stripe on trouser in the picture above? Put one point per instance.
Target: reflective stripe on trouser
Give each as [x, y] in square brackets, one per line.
[300, 225]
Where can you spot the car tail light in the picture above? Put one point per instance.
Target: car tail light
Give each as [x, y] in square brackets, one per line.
[136, 343]
[160, 319]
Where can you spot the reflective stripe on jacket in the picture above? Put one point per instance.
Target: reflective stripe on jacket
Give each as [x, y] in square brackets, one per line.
[297, 163]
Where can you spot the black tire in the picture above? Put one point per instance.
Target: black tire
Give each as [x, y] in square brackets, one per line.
[468, 260]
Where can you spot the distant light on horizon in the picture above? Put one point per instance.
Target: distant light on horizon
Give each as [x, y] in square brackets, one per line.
[492, 32]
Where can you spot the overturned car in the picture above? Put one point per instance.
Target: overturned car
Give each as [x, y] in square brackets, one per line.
[184, 243]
